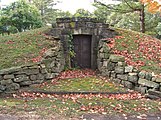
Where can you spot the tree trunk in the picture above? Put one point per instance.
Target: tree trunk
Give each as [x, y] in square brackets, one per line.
[142, 19]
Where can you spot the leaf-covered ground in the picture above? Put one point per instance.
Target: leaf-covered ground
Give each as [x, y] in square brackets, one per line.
[140, 50]
[22, 48]
[76, 105]
[79, 80]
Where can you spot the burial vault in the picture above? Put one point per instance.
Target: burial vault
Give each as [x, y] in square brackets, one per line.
[84, 33]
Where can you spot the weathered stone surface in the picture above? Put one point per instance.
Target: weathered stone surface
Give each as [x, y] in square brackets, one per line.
[33, 77]
[105, 63]
[116, 58]
[129, 69]
[1, 78]
[113, 74]
[111, 66]
[2, 87]
[127, 84]
[142, 74]
[31, 71]
[154, 79]
[6, 82]
[13, 86]
[8, 76]
[148, 76]
[20, 78]
[43, 71]
[119, 70]
[122, 76]
[148, 83]
[25, 83]
[116, 80]
[52, 52]
[158, 80]
[37, 81]
[40, 77]
[156, 93]
[143, 90]
[121, 64]
[10, 70]
[106, 73]
[132, 77]
[50, 75]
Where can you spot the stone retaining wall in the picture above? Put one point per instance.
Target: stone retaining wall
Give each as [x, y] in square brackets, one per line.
[51, 65]
[114, 67]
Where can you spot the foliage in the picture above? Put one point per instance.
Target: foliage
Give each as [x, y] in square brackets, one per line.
[21, 15]
[46, 8]
[139, 50]
[82, 13]
[23, 48]
[153, 5]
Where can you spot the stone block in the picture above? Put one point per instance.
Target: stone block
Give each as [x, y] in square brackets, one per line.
[50, 76]
[148, 76]
[111, 66]
[119, 70]
[158, 80]
[122, 76]
[6, 82]
[2, 87]
[148, 83]
[37, 82]
[13, 87]
[1, 78]
[40, 77]
[25, 83]
[106, 73]
[127, 84]
[10, 70]
[106, 55]
[113, 74]
[142, 74]
[117, 58]
[105, 63]
[121, 64]
[33, 77]
[143, 90]
[116, 80]
[8, 77]
[132, 77]
[129, 69]
[156, 93]
[20, 78]
[31, 71]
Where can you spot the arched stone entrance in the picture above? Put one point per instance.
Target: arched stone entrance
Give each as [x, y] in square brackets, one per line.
[86, 34]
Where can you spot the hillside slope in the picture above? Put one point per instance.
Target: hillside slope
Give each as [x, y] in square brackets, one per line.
[22, 48]
[140, 50]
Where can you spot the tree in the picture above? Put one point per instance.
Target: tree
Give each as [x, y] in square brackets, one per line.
[128, 6]
[46, 8]
[82, 13]
[153, 5]
[21, 15]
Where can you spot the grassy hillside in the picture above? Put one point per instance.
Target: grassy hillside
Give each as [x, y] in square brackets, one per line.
[140, 50]
[22, 48]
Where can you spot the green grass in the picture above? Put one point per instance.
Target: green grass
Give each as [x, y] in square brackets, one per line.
[81, 84]
[67, 107]
[19, 49]
[138, 47]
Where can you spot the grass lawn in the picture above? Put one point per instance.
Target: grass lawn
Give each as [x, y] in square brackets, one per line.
[80, 84]
[21, 48]
[75, 105]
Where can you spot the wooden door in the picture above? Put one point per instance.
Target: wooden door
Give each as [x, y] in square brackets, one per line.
[82, 48]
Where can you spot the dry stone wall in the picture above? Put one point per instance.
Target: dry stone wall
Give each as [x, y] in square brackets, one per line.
[52, 64]
[114, 67]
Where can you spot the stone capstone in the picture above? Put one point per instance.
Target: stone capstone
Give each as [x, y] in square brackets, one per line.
[116, 58]
[148, 83]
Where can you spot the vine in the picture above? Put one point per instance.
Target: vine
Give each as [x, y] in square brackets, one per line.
[70, 54]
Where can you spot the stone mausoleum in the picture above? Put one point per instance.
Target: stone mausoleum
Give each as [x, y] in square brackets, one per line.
[86, 33]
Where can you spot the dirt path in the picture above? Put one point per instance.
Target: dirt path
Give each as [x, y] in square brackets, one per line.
[84, 117]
